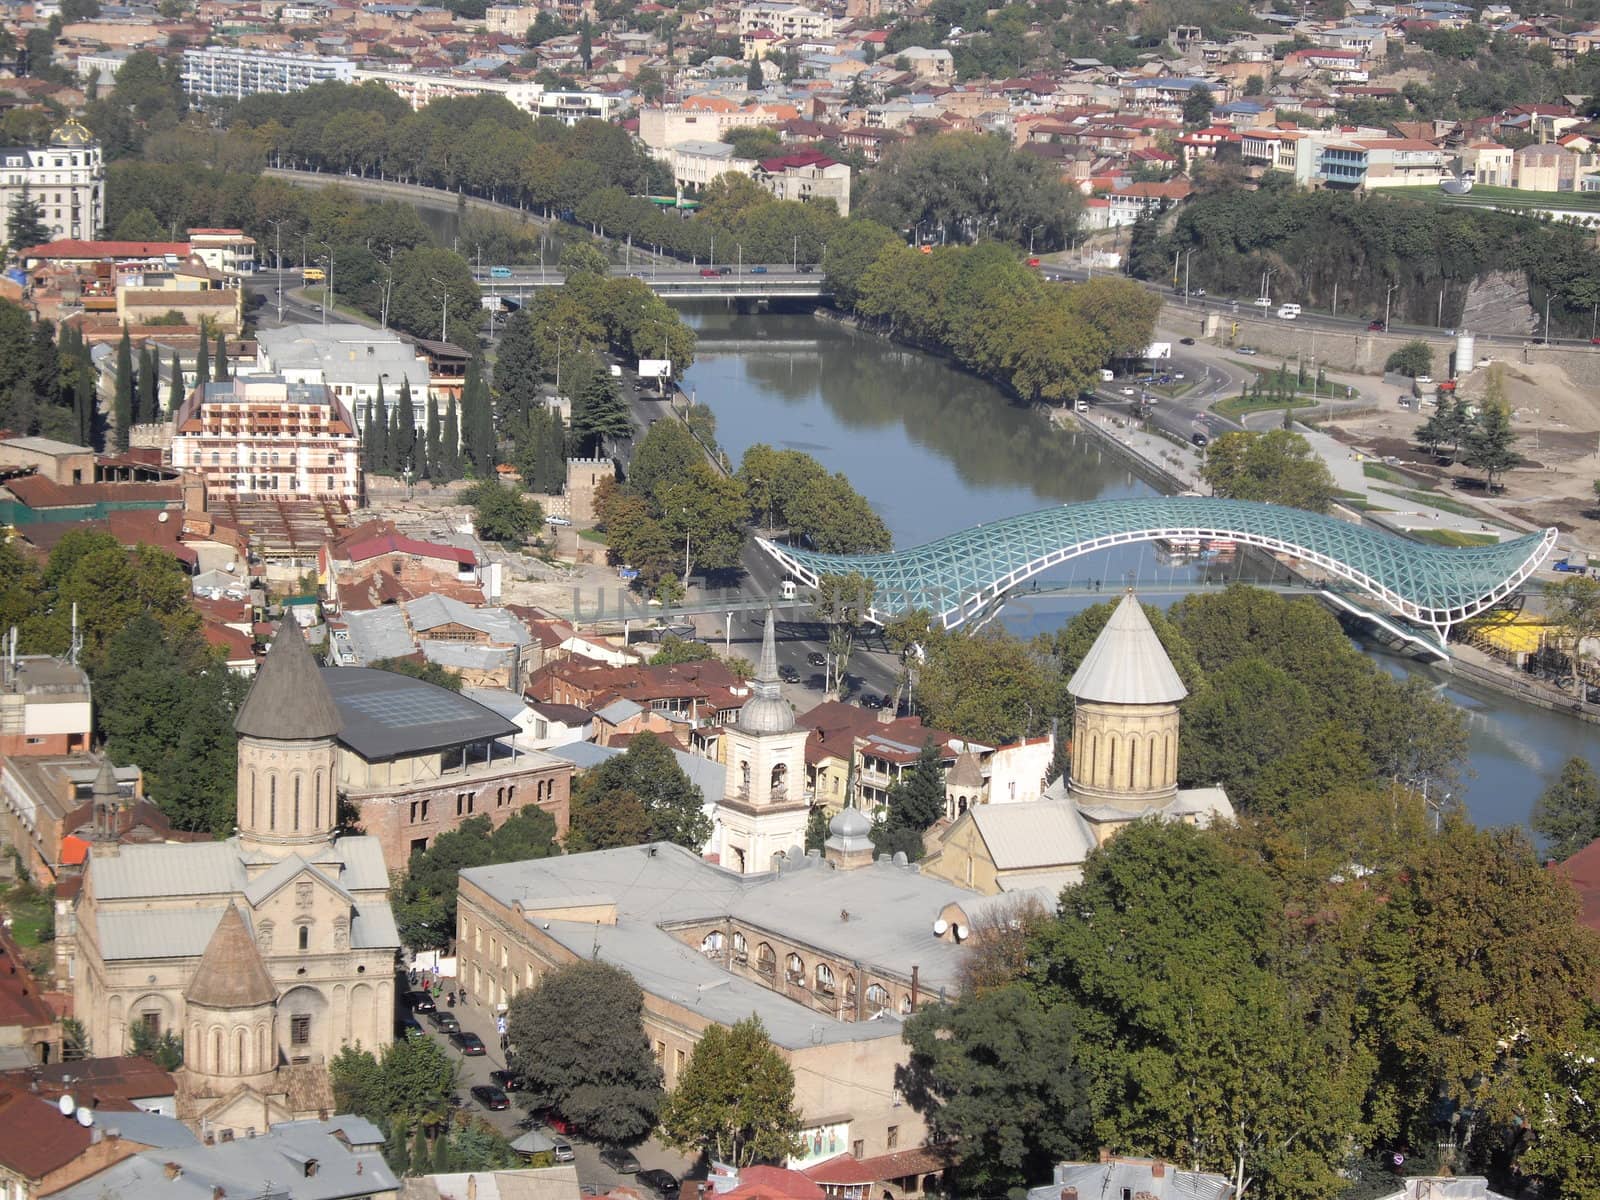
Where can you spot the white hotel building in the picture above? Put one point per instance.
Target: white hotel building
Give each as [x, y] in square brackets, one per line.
[221, 72]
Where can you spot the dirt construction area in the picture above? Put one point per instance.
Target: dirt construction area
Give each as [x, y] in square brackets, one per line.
[1558, 436]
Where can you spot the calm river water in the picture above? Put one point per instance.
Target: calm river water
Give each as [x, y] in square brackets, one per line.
[935, 450]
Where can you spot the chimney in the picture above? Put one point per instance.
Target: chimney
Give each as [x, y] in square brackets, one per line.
[1105, 1154]
[472, 1187]
[172, 1170]
[1069, 1193]
[1158, 1169]
[218, 1191]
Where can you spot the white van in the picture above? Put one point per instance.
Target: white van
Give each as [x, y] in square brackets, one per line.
[788, 589]
[1106, 376]
[1288, 312]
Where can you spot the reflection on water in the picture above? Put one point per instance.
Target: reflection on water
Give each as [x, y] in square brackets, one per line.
[935, 450]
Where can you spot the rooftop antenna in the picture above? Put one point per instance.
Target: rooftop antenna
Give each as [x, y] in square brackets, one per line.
[76, 647]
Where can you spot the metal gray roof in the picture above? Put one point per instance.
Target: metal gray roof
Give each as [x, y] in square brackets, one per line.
[373, 927]
[389, 716]
[619, 711]
[507, 703]
[707, 774]
[379, 633]
[287, 700]
[1130, 1176]
[466, 654]
[157, 933]
[148, 1129]
[260, 889]
[892, 910]
[430, 611]
[1033, 836]
[241, 1168]
[347, 354]
[1127, 663]
[207, 869]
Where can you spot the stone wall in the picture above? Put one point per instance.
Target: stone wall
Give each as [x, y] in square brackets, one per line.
[1497, 303]
[1356, 350]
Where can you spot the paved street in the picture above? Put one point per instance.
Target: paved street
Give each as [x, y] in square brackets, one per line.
[594, 1176]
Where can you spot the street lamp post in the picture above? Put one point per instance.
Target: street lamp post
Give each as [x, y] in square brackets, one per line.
[327, 287]
[277, 261]
[444, 307]
[1266, 285]
[1547, 318]
[1031, 232]
[1388, 296]
[1187, 254]
[685, 510]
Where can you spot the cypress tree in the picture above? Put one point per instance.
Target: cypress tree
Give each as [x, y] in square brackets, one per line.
[441, 1154]
[433, 450]
[202, 365]
[405, 429]
[419, 1154]
[391, 450]
[221, 372]
[451, 439]
[369, 438]
[175, 387]
[379, 455]
[122, 409]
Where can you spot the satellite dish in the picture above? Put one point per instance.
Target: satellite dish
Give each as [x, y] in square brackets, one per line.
[961, 933]
[163, 517]
[85, 1117]
[940, 926]
[66, 1104]
[229, 568]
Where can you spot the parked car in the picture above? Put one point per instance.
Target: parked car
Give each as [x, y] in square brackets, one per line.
[507, 1081]
[758, 270]
[1198, 292]
[1262, 302]
[708, 272]
[1247, 351]
[406, 1026]
[1200, 439]
[1128, 391]
[807, 268]
[1033, 262]
[491, 1097]
[1185, 341]
[620, 1159]
[419, 1002]
[724, 270]
[559, 522]
[470, 1044]
[788, 674]
[444, 1022]
[661, 1183]
[1376, 327]
[817, 660]
[1424, 379]
[562, 1151]
[871, 700]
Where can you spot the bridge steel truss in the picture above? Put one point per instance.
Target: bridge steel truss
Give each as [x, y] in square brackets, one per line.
[965, 576]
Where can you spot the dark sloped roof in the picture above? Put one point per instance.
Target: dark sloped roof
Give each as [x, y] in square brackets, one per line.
[231, 973]
[288, 700]
[385, 715]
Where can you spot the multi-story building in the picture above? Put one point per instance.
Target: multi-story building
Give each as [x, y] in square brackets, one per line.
[509, 19]
[786, 20]
[807, 175]
[353, 361]
[44, 706]
[43, 800]
[218, 72]
[230, 251]
[421, 88]
[66, 179]
[261, 437]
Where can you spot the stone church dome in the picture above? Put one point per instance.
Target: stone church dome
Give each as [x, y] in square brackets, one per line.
[767, 712]
[850, 823]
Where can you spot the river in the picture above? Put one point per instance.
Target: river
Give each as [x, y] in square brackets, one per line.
[935, 450]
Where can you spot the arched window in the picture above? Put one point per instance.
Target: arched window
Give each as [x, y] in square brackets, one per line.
[824, 976]
[297, 803]
[1094, 747]
[905, 1003]
[216, 1051]
[240, 1062]
[1133, 758]
[712, 943]
[744, 778]
[317, 792]
[272, 802]
[877, 998]
[780, 781]
[1153, 780]
[795, 968]
[766, 961]
[305, 937]
[961, 805]
[741, 951]
[1111, 749]
[252, 799]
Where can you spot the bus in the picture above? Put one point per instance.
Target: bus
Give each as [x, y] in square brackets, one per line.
[313, 275]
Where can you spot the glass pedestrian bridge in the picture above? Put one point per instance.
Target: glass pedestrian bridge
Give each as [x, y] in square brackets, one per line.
[967, 575]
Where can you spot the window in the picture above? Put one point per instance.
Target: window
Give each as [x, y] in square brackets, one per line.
[661, 1052]
[858, 1149]
[796, 969]
[305, 937]
[740, 950]
[677, 1062]
[891, 1139]
[825, 979]
[300, 1030]
[877, 997]
[151, 1022]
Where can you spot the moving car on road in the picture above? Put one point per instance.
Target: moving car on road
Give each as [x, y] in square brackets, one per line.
[444, 1022]
[817, 660]
[470, 1044]
[419, 1002]
[788, 674]
[491, 1097]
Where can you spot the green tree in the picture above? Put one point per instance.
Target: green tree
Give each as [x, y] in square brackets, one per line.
[674, 649]
[1489, 444]
[1197, 106]
[1278, 467]
[502, 514]
[646, 775]
[663, 456]
[599, 1074]
[425, 899]
[917, 801]
[1413, 359]
[220, 372]
[1197, 1047]
[428, 672]
[842, 603]
[122, 405]
[996, 1074]
[986, 687]
[404, 449]
[147, 407]
[735, 1100]
[754, 80]
[583, 258]
[26, 226]
[706, 512]
[163, 1049]
[1567, 813]
[175, 386]
[1573, 606]
[518, 365]
[598, 414]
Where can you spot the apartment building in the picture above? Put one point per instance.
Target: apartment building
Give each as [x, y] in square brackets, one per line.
[353, 361]
[261, 437]
[230, 251]
[229, 72]
[786, 20]
[805, 176]
[419, 89]
[66, 178]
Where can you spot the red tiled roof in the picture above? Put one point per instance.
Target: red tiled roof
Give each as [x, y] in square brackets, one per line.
[20, 1003]
[35, 1138]
[1583, 869]
[235, 646]
[924, 1160]
[795, 161]
[38, 492]
[761, 1183]
[76, 248]
[73, 850]
[396, 543]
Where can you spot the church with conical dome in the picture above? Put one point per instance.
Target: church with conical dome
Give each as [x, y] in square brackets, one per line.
[266, 953]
